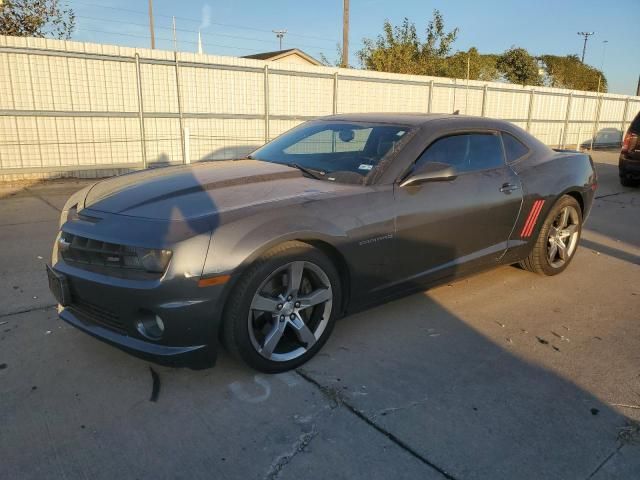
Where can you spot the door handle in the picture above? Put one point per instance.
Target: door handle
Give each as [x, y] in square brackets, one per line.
[507, 188]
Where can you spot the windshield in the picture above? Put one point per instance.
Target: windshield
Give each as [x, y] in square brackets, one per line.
[335, 151]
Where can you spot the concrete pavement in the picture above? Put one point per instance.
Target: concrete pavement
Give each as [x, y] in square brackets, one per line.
[501, 375]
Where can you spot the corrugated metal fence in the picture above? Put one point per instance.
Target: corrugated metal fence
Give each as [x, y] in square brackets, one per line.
[83, 109]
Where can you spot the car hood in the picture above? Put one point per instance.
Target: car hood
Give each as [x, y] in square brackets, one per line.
[192, 191]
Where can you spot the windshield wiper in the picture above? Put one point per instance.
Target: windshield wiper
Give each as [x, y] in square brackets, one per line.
[317, 174]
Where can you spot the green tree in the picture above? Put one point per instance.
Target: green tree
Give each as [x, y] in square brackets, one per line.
[481, 67]
[517, 66]
[337, 62]
[400, 50]
[570, 72]
[36, 18]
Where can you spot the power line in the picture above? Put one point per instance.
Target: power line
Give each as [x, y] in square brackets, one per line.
[198, 21]
[166, 39]
[204, 34]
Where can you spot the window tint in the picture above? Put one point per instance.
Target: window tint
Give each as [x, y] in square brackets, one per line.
[513, 147]
[467, 152]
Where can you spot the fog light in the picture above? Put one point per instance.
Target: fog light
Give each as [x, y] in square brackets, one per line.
[150, 326]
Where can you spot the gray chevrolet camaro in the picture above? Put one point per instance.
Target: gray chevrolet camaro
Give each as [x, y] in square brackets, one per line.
[332, 217]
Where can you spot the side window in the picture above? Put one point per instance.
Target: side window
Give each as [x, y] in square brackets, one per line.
[466, 152]
[513, 148]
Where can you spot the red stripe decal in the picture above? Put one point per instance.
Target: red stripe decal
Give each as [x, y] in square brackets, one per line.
[535, 218]
[529, 218]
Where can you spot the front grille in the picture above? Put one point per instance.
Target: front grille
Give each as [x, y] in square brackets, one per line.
[82, 250]
[97, 315]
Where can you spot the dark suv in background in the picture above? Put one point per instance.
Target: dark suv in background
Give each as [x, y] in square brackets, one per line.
[629, 164]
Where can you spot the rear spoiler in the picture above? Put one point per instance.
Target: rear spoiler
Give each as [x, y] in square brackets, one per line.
[566, 150]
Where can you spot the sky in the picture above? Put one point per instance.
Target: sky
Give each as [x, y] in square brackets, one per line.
[243, 27]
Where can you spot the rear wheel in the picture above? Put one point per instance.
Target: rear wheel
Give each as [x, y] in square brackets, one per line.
[283, 309]
[558, 239]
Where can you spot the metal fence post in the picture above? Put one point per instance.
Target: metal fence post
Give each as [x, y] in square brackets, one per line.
[180, 117]
[566, 120]
[143, 140]
[430, 98]
[623, 127]
[530, 112]
[485, 92]
[596, 122]
[266, 103]
[187, 146]
[335, 93]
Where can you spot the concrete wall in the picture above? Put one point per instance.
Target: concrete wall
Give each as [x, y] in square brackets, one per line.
[82, 109]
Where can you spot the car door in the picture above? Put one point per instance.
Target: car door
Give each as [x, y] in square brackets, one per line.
[444, 227]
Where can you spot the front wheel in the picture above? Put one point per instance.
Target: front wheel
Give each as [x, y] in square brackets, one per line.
[283, 308]
[558, 239]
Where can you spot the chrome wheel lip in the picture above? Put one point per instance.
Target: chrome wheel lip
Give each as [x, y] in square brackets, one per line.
[286, 311]
[563, 235]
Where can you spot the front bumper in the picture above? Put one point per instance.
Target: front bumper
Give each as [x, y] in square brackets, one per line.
[110, 309]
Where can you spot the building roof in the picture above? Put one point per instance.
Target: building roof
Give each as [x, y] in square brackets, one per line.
[279, 54]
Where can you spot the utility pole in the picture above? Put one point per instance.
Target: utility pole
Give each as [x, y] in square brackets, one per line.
[153, 35]
[175, 38]
[638, 88]
[280, 35]
[345, 34]
[586, 36]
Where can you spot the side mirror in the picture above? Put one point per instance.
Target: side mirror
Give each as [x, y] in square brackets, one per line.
[430, 172]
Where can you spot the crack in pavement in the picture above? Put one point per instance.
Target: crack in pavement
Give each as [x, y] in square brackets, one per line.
[300, 446]
[41, 198]
[610, 195]
[336, 396]
[44, 307]
[603, 463]
[385, 411]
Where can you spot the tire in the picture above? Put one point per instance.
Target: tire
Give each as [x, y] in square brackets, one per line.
[264, 305]
[543, 258]
[627, 182]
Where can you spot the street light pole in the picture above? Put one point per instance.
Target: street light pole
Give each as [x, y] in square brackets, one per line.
[604, 46]
[604, 49]
[586, 36]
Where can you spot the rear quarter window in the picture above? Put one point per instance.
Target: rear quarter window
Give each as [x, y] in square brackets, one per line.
[513, 148]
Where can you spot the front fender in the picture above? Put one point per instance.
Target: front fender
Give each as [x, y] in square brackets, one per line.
[234, 246]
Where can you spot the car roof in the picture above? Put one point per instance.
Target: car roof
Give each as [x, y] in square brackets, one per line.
[414, 119]
[386, 117]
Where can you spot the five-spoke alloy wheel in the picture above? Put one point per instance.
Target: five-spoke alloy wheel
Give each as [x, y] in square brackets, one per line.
[283, 308]
[290, 311]
[562, 238]
[558, 238]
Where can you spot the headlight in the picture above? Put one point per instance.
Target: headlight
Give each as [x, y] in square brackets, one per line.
[153, 260]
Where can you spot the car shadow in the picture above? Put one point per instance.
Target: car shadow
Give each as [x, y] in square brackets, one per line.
[422, 374]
